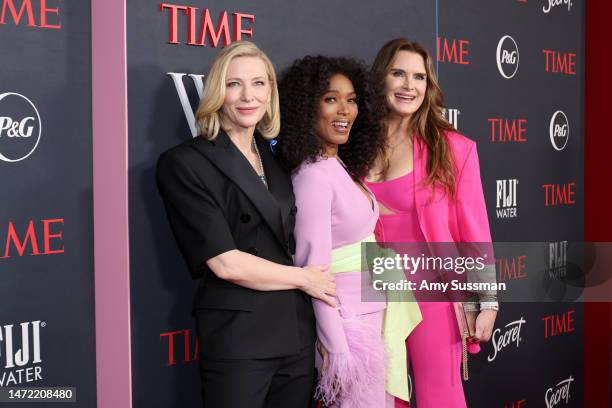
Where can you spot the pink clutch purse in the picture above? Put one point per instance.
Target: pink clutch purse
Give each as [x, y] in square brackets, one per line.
[466, 321]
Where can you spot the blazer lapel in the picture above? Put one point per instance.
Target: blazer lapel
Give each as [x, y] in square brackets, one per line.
[279, 183]
[224, 155]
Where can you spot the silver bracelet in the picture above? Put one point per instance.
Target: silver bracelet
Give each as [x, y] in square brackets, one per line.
[471, 306]
[489, 306]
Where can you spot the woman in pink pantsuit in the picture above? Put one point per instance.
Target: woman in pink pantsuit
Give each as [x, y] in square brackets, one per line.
[427, 183]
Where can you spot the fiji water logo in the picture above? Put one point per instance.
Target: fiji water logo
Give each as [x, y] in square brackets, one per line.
[20, 353]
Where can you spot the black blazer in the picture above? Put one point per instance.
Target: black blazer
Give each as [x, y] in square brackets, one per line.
[216, 202]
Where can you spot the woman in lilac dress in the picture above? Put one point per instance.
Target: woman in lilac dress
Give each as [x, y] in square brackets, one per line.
[323, 100]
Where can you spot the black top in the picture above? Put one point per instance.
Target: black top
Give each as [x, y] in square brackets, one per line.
[216, 202]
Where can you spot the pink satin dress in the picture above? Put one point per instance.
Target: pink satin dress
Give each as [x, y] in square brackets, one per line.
[434, 347]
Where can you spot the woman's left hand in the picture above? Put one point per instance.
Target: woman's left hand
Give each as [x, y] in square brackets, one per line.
[484, 324]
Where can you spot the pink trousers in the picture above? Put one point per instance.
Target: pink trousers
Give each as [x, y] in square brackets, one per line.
[434, 351]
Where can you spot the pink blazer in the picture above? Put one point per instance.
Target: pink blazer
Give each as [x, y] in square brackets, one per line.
[462, 220]
[445, 220]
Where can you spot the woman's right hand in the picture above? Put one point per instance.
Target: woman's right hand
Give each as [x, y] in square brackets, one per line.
[325, 362]
[324, 355]
[319, 283]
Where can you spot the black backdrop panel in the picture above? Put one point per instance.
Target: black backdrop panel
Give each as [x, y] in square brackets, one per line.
[46, 231]
[161, 288]
[510, 120]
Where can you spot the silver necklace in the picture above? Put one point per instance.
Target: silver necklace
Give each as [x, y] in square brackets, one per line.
[262, 175]
[399, 143]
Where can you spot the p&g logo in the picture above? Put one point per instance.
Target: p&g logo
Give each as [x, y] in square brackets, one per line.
[507, 57]
[20, 127]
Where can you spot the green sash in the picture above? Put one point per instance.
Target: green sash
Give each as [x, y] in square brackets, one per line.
[401, 315]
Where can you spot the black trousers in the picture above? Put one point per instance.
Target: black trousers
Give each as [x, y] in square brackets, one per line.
[284, 382]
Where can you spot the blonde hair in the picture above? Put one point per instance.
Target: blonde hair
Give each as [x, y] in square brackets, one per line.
[428, 122]
[209, 117]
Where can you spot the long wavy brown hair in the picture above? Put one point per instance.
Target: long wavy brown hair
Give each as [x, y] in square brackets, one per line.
[428, 123]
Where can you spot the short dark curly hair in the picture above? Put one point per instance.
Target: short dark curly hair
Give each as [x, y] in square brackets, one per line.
[301, 88]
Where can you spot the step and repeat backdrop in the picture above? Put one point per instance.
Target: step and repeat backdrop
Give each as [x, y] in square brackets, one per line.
[165, 71]
[47, 336]
[513, 79]
[512, 73]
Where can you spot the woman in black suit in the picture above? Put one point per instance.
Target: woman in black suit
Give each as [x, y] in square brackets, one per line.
[231, 208]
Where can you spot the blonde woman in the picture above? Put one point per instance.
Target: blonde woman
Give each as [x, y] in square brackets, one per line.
[231, 208]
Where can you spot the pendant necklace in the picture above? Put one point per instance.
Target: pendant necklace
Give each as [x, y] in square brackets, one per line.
[262, 175]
